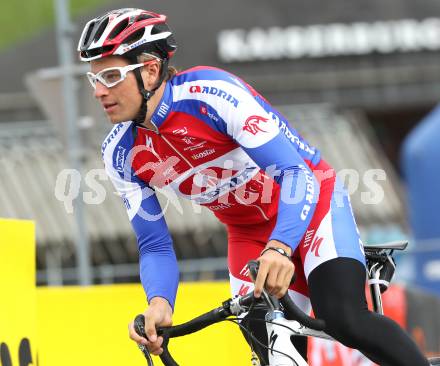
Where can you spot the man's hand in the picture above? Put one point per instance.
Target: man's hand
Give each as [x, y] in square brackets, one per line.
[158, 313]
[275, 271]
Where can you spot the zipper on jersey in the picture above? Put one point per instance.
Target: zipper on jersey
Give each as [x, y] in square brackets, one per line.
[155, 129]
[175, 150]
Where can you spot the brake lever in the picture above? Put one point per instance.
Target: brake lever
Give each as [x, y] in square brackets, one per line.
[139, 327]
[272, 302]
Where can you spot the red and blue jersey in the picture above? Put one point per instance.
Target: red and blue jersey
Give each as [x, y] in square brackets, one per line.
[220, 144]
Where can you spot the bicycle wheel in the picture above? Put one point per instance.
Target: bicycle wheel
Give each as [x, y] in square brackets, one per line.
[434, 361]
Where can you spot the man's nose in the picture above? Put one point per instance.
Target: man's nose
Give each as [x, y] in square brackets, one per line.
[100, 90]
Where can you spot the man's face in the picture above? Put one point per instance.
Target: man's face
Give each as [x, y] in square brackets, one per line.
[122, 101]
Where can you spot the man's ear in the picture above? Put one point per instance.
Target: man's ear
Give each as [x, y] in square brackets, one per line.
[151, 73]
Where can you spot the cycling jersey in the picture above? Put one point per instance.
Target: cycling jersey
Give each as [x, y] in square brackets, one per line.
[220, 144]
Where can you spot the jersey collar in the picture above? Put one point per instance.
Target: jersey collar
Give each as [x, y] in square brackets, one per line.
[163, 108]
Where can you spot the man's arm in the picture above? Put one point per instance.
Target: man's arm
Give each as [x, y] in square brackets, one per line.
[158, 271]
[299, 192]
[158, 264]
[299, 187]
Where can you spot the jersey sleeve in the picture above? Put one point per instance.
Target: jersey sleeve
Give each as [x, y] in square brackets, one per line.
[299, 188]
[252, 123]
[158, 265]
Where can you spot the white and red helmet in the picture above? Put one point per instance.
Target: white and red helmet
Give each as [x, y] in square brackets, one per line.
[126, 32]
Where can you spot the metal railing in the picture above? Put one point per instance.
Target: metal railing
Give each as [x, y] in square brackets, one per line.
[190, 270]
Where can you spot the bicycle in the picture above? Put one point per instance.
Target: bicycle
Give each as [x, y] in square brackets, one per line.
[283, 317]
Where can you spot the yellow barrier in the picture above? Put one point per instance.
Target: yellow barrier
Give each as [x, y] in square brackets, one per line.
[88, 326]
[17, 284]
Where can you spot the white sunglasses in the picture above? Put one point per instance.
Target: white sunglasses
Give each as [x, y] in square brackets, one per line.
[113, 75]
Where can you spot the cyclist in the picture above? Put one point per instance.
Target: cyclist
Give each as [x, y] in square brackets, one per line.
[207, 136]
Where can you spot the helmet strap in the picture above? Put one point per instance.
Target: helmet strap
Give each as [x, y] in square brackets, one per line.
[147, 94]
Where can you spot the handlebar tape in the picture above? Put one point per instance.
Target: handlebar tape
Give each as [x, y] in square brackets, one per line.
[166, 357]
[195, 324]
[192, 326]
[293, 312]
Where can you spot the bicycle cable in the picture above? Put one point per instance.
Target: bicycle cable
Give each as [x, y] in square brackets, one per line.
[270, 348]
[250, 334]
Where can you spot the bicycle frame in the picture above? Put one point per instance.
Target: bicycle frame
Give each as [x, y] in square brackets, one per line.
[281, 350]
[285, 328]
